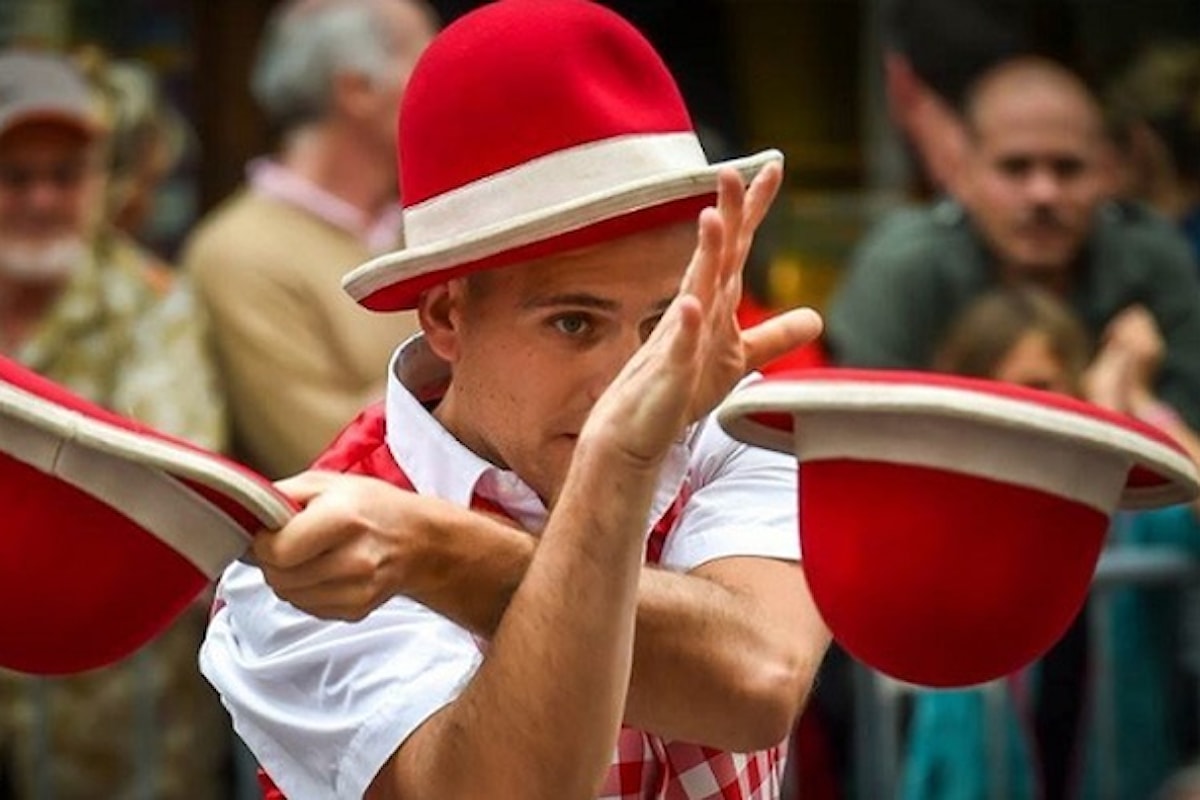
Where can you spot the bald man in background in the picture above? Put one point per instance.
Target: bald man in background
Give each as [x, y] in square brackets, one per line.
[1031, 208]
[298, 357]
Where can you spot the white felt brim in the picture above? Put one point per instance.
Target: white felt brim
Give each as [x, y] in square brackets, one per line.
[544, 223]
[992, 436]
[139, 476]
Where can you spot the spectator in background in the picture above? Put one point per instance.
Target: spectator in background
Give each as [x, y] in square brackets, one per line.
[1027, 336]
[1154, 111]
[1031, 210]
[298, 357]
[935, 49]
[80, 307]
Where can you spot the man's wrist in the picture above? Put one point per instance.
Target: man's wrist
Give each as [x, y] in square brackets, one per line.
[467, 566]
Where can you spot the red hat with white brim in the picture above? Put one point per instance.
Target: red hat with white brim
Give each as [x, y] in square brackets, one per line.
[951, 526]
[110, 528]
[533, 127]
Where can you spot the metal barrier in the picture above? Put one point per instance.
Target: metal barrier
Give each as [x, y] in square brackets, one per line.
[878, 702]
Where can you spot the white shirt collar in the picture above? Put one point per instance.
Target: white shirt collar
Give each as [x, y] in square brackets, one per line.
[440, 465]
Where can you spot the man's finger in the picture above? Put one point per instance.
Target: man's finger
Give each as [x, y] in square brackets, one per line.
[303, 487]
[307, 535]
[700, 279]
[731, 197]
[774, 337]
[761, 195]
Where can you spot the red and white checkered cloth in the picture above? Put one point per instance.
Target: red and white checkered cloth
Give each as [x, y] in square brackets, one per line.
[647, 768]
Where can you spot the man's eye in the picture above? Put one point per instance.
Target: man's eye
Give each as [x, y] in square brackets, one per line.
[572, 324]
[1014, 167]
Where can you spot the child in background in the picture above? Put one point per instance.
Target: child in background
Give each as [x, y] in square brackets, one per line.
[1026, 336]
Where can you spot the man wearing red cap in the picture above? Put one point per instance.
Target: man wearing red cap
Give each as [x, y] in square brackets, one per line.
[625, 618]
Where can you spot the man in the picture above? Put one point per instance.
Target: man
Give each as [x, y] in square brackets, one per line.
[1032, 208]
[562, 389]
[80, 305]
[298, 358]
[935, 49]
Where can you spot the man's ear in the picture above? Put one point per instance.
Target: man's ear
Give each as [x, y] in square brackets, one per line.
[440, 313]
[352, 95]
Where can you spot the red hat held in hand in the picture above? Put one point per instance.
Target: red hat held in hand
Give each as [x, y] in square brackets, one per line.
[951, 526]
[110, 528]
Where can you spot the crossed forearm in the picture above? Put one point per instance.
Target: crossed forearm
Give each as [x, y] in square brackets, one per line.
[565, 643]
[695, 637]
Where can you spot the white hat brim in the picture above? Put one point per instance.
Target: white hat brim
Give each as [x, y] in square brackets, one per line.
[977, 423]
[444, 254]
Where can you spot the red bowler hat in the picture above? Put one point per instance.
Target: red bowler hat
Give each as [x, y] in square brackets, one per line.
[951, 526]
[533, 127]
[110, 529]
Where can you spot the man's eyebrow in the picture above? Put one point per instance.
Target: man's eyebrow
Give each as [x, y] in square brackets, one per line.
[582, 300]
[578, 300]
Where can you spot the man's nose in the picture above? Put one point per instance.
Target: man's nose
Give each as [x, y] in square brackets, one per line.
[1043, 186]
[44, 196]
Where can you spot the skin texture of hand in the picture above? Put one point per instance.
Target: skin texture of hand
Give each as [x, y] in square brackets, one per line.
[1126, 366]
[1135, 333]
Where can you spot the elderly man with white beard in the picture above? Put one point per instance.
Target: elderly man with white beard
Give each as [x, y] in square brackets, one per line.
[88, 309]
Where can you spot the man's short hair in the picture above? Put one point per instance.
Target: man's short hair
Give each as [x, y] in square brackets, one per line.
[950, 43]
[308, 43]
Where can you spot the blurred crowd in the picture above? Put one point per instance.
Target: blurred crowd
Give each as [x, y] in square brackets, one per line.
[1057, 247]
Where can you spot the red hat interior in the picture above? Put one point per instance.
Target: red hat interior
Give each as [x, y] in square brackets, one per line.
[110, 528]
[950, 526]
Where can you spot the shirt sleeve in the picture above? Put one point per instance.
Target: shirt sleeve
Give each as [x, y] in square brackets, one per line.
[743, 502]
[322, 705]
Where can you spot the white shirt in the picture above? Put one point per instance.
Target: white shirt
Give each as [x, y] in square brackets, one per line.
[322, 705]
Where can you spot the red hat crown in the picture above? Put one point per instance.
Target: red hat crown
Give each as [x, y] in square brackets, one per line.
[481, 100]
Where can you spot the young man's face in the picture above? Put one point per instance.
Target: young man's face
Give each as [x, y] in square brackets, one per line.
[1034, 177]
[533, 346]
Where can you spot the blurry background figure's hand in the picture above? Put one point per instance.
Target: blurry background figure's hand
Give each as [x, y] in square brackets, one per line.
[1122, 375]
